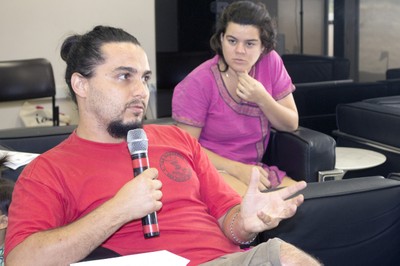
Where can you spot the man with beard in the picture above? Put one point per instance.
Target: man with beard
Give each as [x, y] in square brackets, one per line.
[80, 197]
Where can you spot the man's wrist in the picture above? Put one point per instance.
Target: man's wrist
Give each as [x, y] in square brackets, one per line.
[240, 238]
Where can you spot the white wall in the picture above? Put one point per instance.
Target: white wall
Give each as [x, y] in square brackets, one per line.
[379, 38]
[32, 29]
[313, 26]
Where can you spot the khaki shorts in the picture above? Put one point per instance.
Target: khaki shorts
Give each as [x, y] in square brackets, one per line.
[264, 254]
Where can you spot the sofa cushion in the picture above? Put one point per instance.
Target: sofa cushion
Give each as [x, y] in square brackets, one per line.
[376, 119]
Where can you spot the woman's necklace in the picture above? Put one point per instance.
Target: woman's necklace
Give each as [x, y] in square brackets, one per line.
[251, 72]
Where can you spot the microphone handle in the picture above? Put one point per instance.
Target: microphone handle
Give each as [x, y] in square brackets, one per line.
[149, 222]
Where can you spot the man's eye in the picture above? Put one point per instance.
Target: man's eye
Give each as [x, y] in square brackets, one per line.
[124, 76]
[146, 78]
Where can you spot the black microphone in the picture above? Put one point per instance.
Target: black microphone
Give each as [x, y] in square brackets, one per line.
[138, 145]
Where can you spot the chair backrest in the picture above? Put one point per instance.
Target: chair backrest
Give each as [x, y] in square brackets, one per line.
[28, 79]
[393, 73]
[304, 68]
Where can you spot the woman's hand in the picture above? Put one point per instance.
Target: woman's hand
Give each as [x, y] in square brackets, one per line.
[250, 89]
[282, 114]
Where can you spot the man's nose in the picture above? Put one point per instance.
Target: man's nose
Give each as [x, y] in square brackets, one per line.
[141, 88]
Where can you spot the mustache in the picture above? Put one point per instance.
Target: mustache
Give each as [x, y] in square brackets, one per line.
[138, 103]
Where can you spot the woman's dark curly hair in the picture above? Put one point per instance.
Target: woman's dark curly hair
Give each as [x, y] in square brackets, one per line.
[82, 53]
[245, 13]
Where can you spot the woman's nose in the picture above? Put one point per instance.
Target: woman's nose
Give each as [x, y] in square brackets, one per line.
[240, 48]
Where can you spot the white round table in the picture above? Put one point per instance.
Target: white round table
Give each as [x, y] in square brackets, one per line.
[357, 159]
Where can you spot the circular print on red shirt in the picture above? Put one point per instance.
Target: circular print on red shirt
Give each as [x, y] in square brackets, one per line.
[175, 166]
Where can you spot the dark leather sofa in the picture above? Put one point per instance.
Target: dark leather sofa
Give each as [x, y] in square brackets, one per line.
[304, 68]
[323, 82]
[344, 222]
[316, 102]
[372, 124]
[349, 222]
[303, 153]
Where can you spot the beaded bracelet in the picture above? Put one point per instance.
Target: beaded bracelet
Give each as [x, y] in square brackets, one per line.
[235, 237]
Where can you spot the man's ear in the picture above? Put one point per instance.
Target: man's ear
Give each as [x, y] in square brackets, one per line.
[3, 221]
[79, 84]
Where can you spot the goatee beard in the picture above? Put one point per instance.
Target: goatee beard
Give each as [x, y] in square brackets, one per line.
[117, 129]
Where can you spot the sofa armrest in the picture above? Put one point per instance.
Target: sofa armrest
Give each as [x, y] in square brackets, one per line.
[302, 153]
[395, 176]
[343, 222]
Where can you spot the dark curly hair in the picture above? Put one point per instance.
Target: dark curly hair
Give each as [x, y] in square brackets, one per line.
[245, 13]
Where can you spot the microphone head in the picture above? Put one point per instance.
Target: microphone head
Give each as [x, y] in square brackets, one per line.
[137, 141]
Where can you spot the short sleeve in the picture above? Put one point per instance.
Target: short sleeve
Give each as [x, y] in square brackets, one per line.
[42, 212]
[273, 74]
[193, 96]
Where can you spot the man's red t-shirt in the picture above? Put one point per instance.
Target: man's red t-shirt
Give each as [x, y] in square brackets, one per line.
[69, 181]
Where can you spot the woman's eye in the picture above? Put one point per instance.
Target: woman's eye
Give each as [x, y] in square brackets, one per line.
[232, 41]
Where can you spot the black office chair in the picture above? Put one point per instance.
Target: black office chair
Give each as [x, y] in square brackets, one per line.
[28, 79]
